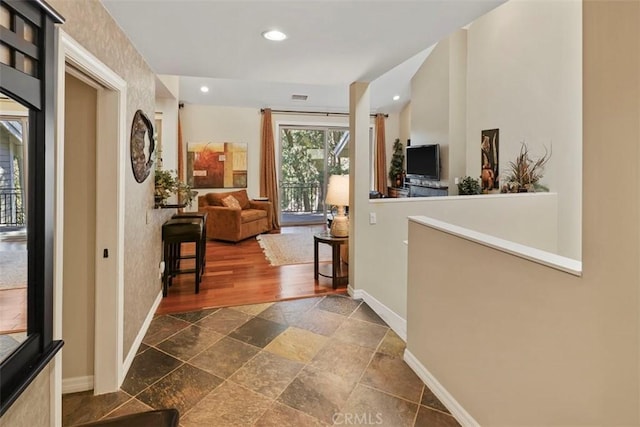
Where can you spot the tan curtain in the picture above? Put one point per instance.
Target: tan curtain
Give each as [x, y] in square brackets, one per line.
[268, 173]
[381, 156]
[180, 155]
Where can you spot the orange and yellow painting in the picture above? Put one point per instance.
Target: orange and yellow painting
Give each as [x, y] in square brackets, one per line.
[217, 164]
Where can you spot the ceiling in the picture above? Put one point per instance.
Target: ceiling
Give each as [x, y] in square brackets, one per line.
[330, 44]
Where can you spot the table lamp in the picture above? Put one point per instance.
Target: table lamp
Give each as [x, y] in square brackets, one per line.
[338, 195]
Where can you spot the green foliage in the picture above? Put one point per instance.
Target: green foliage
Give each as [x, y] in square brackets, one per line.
[167, 183]
[397, 160]
[469, 186]
[303, 163]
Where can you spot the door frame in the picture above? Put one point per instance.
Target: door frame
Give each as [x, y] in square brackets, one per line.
[304, 125]
[111, 143]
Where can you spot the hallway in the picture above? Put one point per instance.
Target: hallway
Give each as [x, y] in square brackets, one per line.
[306, 362]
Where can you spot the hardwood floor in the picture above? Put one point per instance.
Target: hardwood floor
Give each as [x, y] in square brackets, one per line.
[239, 274]
[13, 310]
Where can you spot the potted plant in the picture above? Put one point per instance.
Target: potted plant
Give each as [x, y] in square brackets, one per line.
[396, 170]
[525, 173]
[468, 186]
[167, 183]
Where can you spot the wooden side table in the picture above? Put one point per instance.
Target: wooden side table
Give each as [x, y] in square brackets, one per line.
[335, 243]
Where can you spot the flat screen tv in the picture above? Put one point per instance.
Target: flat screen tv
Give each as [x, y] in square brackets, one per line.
[423, 162]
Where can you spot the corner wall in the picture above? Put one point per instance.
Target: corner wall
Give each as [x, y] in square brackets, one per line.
[517, 343]
[524, 77]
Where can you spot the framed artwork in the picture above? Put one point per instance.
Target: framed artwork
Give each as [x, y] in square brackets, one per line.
[217, 164]
[489, 164]
[142, 145]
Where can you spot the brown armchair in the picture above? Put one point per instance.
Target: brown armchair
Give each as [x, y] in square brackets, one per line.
[233, 224]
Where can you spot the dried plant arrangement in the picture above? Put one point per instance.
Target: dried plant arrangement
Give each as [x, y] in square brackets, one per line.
[525, 173]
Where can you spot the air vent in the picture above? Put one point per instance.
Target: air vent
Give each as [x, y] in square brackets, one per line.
[299, 97]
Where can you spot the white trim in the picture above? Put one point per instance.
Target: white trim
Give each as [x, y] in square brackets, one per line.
[458, 412]
[76, 384]
[141, 333]
[109, 312]
[548, 259]
[391, 318]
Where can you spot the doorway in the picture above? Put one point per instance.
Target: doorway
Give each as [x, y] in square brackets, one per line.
[308, 156]
[79, 241]
[105, 253]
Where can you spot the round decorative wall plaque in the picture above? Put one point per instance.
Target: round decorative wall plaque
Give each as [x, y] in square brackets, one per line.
[142, 146]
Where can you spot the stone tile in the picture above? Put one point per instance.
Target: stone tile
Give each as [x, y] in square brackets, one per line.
[428, 417]
[161, 328]
[143, 347]
[267, 374]
[318, 321]
[224, 320]
[430, 400]
[133, 406]
[7, 345]
[377, 408]
[224, 357]
[361, 333]
[393, 375]
[181, 389]
[317, 393]
[347, 361]
[281, 415]
[339, 304]
[189, 342]
[252, 309]
[194, 316]
[287, 311]
[148, 368]
[364, 312]
[392, 345]
[297, 344]
[227, 405]
[85, 407]
[258, 332]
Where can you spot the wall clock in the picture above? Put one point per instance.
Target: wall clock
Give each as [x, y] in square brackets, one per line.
[142, 146]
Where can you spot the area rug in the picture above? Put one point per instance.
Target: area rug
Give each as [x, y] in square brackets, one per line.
[13, 269]
[291, 248]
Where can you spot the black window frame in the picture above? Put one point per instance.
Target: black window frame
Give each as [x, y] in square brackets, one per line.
[36, 92]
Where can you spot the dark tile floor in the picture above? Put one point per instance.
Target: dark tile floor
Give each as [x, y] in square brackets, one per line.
[309, 362]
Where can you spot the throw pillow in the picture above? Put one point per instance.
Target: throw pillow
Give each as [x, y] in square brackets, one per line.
[231, 202]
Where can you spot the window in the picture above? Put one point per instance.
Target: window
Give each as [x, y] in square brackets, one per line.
[27, 69]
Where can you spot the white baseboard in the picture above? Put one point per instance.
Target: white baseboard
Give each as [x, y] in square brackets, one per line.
[143, 331]
[76, 384]
[395, 322]
[458, 412]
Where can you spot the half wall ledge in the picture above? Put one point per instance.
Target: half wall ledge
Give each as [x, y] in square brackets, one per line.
[548, 259]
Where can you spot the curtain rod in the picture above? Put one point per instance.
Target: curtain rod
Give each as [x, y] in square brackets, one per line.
[320, 113]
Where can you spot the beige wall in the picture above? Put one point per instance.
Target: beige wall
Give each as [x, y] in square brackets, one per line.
[104, 39]
[517, 343]
[524, 77]
[80, 229]
[430, 104]
[235, 124]
[33, 407]
[385, 277]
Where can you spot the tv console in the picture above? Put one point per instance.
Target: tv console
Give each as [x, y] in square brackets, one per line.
[424, 188]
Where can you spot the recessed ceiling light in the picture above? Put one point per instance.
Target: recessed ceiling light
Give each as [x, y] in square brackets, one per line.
[395, 98]
[204, 89]
[274, 35]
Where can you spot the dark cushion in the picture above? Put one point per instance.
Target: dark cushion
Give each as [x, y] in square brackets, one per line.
[188, 228]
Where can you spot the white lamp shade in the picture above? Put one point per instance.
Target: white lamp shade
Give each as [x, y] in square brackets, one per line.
[338, 191]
